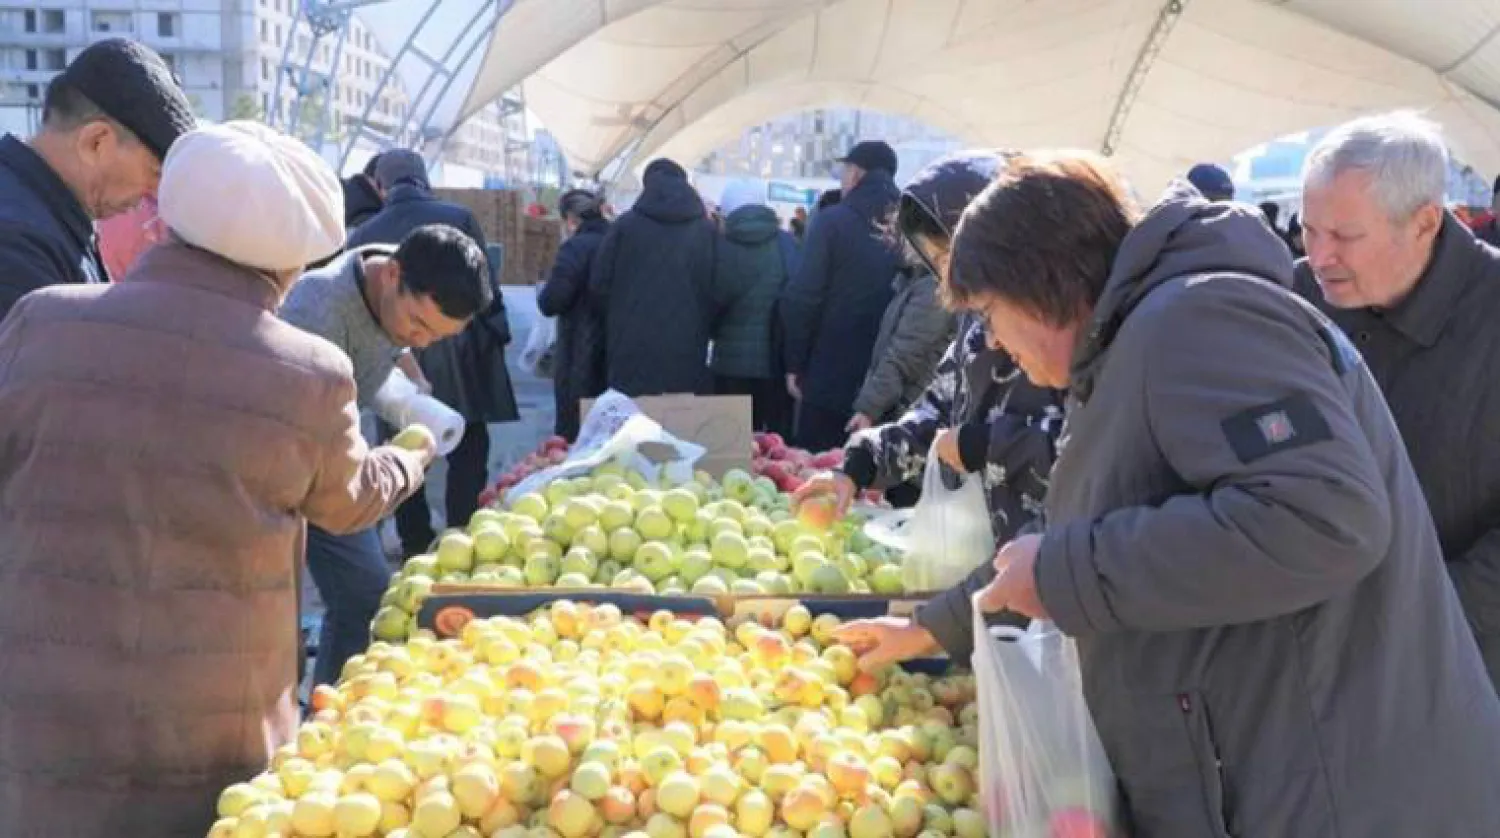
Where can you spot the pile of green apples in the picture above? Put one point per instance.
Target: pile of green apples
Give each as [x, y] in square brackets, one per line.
[613, 528]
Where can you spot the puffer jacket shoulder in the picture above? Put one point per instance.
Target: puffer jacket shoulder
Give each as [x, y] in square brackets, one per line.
[749, 273]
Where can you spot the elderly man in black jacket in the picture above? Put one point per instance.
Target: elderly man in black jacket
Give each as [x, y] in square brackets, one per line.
[467, 372]
[1419, 295]
[107, 122]
[832, 308]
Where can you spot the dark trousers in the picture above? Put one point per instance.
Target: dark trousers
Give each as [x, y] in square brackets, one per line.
[770, 405]
[820, 428]
[568, 415]
[468, 474]
[351, 574]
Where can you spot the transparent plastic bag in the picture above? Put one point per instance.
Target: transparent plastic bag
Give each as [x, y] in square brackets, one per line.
[537, 355]
[945, 536]
[1042, 769]
[615, 428]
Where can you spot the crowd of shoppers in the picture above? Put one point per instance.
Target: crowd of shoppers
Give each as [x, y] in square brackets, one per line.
[1260, 491]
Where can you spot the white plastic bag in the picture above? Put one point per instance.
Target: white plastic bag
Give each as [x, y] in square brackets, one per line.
[614, 428]
[1042, 770]
[537, 356]
[945, 536]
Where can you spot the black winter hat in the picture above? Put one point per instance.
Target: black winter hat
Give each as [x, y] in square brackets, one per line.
[665, 167]
[134, 87]
[872, 155]
[401, 166]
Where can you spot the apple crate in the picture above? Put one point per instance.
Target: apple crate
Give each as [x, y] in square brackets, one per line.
[451, 607]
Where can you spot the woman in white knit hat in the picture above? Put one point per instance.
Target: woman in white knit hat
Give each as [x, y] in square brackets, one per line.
[162, 442]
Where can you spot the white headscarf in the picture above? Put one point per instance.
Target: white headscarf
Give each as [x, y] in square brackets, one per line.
[253, 196]
[741, 192]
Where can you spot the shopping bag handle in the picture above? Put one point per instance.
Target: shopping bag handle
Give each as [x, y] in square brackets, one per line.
[1010, 634]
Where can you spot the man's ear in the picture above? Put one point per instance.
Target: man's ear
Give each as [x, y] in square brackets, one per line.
[1429, 220]
[94, 140]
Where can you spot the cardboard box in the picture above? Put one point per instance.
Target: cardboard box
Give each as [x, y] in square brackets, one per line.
[501, 216]
[542, 237]
[719, 423]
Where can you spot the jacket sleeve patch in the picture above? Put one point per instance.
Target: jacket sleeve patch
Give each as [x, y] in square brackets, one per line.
[1279, 426]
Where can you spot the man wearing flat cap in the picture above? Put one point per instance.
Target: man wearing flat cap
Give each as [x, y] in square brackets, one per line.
[831, 309]
[107, 122]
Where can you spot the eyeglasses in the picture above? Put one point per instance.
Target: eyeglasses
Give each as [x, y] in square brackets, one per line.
[924, 232]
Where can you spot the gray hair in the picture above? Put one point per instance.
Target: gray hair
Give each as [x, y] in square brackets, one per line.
[1402, 151]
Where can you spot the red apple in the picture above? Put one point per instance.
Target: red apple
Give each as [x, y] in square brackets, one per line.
[1076, 822]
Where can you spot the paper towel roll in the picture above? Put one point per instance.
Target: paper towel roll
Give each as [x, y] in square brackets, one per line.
[395, 391]
[445, 423]
[400, 404]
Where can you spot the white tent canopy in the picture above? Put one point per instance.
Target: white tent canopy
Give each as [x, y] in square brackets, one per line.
[1158, 84]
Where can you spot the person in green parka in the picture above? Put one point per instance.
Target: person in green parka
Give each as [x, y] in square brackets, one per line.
[754, 258]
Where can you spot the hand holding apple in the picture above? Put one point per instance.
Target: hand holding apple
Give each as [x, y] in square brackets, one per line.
[883, 641]
[418, 438]
[824, 487]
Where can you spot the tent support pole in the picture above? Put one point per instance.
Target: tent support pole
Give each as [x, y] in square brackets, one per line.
[1145, 59]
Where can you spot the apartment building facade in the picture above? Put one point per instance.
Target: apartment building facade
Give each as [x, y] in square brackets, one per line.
[228, 55]
[804, 145]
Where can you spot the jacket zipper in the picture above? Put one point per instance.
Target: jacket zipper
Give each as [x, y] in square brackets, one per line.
[1185, 704]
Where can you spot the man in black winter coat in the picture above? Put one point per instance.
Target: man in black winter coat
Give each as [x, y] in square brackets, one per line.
[578, 359]
[467, 371]
[362, 196]
[653, 278]
[831, 309]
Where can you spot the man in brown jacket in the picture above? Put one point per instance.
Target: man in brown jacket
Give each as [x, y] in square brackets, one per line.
[162, 443]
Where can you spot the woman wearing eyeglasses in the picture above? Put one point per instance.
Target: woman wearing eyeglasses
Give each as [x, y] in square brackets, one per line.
[986, 417]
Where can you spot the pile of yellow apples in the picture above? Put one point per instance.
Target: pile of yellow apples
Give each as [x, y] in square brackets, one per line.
[578, 721]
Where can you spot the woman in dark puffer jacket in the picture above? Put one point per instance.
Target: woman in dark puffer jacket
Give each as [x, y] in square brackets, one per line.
[984, 415]
[754, 259]
[578, 359]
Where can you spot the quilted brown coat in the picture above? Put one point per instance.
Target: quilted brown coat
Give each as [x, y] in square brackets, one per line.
[162, 443]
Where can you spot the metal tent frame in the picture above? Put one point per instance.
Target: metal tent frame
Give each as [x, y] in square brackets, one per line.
[417, 127]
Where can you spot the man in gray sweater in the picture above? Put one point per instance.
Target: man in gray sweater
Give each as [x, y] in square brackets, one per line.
[376, 303]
